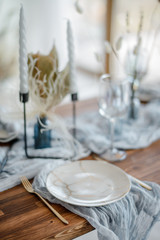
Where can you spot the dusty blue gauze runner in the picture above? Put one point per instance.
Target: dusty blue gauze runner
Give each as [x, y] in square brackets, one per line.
[130, 218]
[91, 136]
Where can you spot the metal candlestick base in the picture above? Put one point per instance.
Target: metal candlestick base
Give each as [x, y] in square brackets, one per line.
[24, 99]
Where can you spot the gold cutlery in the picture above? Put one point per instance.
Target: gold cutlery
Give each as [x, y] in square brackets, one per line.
[27, 185]
[142, 184]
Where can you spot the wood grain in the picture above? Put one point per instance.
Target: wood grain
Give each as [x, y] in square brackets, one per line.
[23, 216]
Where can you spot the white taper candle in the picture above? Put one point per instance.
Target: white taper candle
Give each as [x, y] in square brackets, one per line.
[23, 67]
[72, 75]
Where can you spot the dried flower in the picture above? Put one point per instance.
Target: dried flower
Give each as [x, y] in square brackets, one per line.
[118, 44]
[48, 86]
[140, 23]
[78, 7]
[138, 46]
[98, 57]
[127, 22]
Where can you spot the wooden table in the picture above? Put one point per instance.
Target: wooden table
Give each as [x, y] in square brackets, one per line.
[23, 216]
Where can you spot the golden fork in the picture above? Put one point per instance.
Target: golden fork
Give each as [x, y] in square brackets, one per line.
[27, 185]
[142, 184]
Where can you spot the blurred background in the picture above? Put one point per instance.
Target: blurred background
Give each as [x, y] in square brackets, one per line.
[93, 21]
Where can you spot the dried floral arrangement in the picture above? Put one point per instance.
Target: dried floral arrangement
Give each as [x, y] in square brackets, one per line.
[138, 56]
[47, 88]
[135, 51]
[47, 85]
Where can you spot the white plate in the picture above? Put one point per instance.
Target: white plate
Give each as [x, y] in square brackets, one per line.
[6, 136]
[88, 183]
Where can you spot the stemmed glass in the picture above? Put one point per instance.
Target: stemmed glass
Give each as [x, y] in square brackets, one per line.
[113, 102]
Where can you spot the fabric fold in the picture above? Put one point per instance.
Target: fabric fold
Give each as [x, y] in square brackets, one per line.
[130, 218]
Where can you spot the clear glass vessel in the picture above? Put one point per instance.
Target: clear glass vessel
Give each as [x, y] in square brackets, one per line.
[114, 95]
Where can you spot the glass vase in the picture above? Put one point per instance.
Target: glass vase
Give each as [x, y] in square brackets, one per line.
[42, 137]
[134, 107]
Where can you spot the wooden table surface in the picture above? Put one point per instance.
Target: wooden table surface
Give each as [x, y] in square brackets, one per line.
[23, 216]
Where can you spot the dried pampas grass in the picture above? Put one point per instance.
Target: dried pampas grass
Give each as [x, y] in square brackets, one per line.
[47, 86]
[78, 7]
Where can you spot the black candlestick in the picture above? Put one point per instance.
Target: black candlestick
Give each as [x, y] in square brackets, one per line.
[24, 98]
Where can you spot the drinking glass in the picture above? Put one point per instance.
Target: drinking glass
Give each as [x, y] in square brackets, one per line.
[114, 97]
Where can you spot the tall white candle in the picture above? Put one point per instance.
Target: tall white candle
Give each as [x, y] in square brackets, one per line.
[72, 75]
[23, 67]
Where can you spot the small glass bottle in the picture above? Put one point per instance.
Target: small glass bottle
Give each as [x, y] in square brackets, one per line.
[42, 139]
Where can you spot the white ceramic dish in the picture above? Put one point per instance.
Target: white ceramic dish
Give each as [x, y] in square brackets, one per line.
[88, 183]
[7, 136]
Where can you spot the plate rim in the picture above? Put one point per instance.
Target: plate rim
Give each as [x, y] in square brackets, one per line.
[91, 204]
[11, 136]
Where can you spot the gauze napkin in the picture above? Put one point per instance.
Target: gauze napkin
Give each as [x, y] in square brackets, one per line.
[130, 218]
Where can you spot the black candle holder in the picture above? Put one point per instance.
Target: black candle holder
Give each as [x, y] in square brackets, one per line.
[24, 98]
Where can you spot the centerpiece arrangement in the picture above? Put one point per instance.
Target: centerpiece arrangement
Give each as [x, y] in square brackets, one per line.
[135, 63]
[137, 50]
[48, 87]
[40, 77]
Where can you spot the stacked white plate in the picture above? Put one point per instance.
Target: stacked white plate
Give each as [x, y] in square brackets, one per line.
[88, 183]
